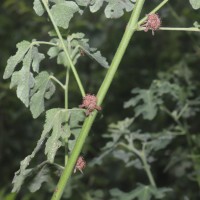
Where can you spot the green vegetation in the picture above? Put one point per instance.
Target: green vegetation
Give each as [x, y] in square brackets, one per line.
[144, 144]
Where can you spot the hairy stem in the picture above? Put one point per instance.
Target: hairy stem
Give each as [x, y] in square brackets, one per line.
[101, 94]
[45, 3]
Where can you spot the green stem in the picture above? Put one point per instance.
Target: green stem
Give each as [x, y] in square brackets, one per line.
[188, 137]
[43, 42]
[131, 28]
[64, 49]
[192, 152]
[67, 88]
[101, 94]
[191, 29]
[147, 169]
[57, 81]
[66, 107]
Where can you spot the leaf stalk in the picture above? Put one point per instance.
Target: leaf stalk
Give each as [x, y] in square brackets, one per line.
[64, 49]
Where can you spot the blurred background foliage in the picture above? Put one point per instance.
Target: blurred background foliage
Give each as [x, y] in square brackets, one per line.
[146, 57]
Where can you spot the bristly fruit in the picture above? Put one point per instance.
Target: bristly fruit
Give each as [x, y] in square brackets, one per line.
[153, 23]
[90, 103]
[80, 164]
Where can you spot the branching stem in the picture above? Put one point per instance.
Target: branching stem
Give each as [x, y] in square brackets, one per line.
[147, 169]
[133, 22]
[65, 49]
[101, 94]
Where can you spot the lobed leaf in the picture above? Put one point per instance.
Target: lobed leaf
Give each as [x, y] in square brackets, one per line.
[142, 192]
[196, 24]
[83, 2]
[94, 54]
[43, 88]
[23, 172]
[76, 116]
[63, 11]
[37, 58]
[114, 8]
[24, 80]
[195, 4]
[147, 101]
[74, 44]
[56, 127]
[38, 7]
[22, 47]
[41, 177]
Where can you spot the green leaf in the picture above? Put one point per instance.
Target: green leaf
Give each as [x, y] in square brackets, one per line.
[74, 44]
[41, 177]
[38, 7]
[53, 127]
[197, 25]
[22, 173]
[22, 47]
[83, 2]
[37, 58]
[24, 80]
[147, 101]
[43, 88]
[63, 11]
[159, 141]
[94, 54]
[114, 8]
[142, 192]
[76, 116]
[116, 131]
[195, 4]
[19, 178]
[56, 127]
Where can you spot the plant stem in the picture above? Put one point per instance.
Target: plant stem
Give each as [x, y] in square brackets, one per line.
[191, 29]
[64, 49]
[66, 107]
[67, 88]
[43, 42]
[131, 28]
[147, 169]
[101, 94]
[57, 81]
